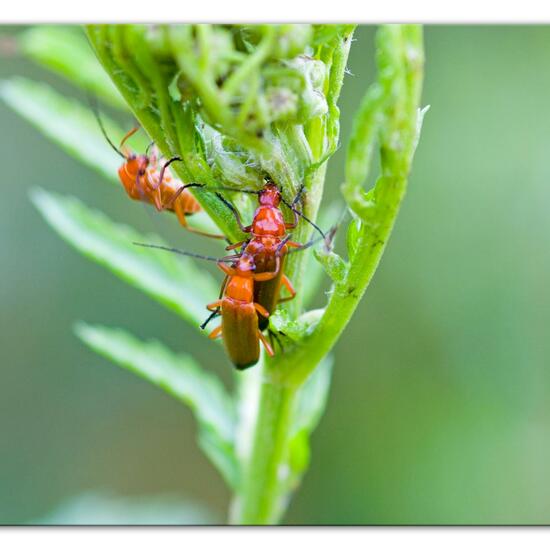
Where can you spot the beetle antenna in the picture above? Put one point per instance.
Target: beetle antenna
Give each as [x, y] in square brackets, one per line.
[234, 189]
[92, 100]
[302, 215]
[328, 240]
[148, 149]
[185, 253]
[214, 314]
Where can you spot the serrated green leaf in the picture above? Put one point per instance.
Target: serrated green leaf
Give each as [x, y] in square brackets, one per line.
[352, 237]
[67, 122]
[314, 269]
[180, 376]
[334, 265]
[67, 52]
[74, 127]
[101, 507]
[173, 281]
[366, 124]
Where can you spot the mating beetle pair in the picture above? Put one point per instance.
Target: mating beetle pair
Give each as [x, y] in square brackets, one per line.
[253, 277]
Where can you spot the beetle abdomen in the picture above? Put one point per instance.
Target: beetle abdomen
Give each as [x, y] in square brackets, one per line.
[240, 333]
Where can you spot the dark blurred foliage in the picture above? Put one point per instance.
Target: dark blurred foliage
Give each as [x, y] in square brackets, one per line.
[440, 409]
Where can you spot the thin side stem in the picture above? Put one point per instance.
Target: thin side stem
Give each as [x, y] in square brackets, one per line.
[293, 369]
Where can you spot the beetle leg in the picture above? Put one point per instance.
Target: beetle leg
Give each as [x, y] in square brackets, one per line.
[216, 333]
[180, 214]
[296, 200]
[235, 245]
[268, 275]
[261, 310]
[288, 285]
[128, 135]
[291, 225]
[274, 336]
[228, 270]
[163, 170]
[265, 276]
[294, 223]
[266, 344]
[178, 209]
[235, 213]
[157, 199]
[213, 315]
[203, 233]
[214, 305]
[222, 289]
[172, 202]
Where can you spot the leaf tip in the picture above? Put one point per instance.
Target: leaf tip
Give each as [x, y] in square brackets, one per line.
[37, 194]
[81, 329]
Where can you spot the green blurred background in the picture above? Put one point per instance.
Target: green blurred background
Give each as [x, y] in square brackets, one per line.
[439, 410]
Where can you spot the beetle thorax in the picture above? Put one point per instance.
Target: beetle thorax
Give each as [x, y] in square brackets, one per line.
[268, 221]
[240, 288]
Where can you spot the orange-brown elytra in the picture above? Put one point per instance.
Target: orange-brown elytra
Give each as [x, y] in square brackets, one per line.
[240, 329]
[142, 180]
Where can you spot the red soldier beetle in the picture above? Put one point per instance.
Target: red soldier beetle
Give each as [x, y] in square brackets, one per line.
[143, 182]
[240, 328]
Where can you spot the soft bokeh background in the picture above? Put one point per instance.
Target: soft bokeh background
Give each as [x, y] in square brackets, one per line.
[440, 405]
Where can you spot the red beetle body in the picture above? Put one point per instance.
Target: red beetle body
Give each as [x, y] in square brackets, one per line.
[240, 329]
[141, 180]
[268, 230]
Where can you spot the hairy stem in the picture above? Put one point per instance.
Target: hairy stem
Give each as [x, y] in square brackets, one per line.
[261, 489]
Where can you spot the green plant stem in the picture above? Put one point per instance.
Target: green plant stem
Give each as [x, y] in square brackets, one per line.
[261, 497]
[259, 502]
[315, 179]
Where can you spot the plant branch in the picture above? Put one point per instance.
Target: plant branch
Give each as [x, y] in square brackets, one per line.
[392, 107]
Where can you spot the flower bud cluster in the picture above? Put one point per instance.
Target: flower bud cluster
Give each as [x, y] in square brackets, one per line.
[261, 74]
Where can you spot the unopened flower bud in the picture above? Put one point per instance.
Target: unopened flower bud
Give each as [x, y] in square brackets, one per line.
[282, 103]
[292, 40]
